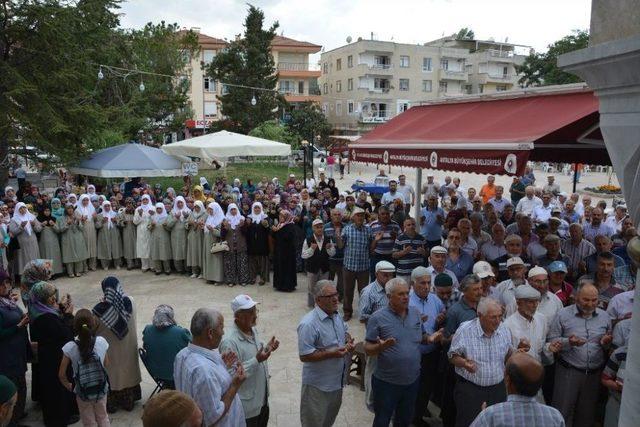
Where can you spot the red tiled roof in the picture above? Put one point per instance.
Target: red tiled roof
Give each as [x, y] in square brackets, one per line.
[286, 41]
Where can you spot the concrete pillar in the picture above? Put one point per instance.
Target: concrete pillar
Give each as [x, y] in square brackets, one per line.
[610, 67]
[418, 189]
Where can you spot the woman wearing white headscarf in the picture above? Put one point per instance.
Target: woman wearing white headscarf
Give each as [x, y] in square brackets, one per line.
[160, 252]
[236, 260]
[109, 240]
[142, 219]
[195, 227]
[212, 265]
[176, 224]
[24, 226]
[258, 244]
[86, 213]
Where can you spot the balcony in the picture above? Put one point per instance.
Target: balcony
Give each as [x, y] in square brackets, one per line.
[375, 89]
[486, 77]
[457, 75]
[376, 118]
[450, 52]
[384, 69]
[494, 53]
[298, 69]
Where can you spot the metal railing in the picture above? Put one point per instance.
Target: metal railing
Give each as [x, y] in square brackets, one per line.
[377, 67]
[500, 53]
[297, 66]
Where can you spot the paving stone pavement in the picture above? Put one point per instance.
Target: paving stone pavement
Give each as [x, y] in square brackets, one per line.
[279, 314]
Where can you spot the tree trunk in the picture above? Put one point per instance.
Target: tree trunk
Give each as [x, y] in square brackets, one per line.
[4, 161]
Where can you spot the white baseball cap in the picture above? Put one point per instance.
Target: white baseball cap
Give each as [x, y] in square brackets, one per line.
[537, 271]
[483, 269]
[385, 266]
[242, 302]
[516, 260]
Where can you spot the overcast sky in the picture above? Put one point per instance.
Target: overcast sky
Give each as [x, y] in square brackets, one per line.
[329, 22]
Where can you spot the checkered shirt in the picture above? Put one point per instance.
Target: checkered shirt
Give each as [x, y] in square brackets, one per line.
[356, 247]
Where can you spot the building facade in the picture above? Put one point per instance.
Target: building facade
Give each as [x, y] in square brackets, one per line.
[368, 82]
[297, 78]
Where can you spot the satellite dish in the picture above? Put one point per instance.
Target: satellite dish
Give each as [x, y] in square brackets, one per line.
[349, 39]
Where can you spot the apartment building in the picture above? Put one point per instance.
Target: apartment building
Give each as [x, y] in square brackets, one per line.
[297, 78]
[368, 82]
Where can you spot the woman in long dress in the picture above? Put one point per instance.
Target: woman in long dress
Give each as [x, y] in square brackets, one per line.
[177, 225]
[125, 221]
[87, 215]
[258, 244]
[109, 240]
[284, 256]
[117, 324]
[195, 225]
[24, 226]
[236, 261]
[212, 264]
[72, 243]
[160, 240]
[141, 219]
[49, 242]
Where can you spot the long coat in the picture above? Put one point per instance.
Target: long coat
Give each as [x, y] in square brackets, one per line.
[212, 264]
[178, 237]
[125, 222]
[195, 239]
[160, 242]
[90, 235]
[50, 247]
[284, 258]
[72, 243]
[29, 249]
[109, 240]
[143, 234]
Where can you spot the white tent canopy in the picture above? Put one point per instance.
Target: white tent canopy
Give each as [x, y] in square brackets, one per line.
[223, 144]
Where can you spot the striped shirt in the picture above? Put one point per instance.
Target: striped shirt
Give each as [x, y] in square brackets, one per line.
[519, 410]
[413, 259]
[356, 247]
[577, 253]
[590, 232]
[330, 232]
[372, 298]
[389, 232]
[488, 352]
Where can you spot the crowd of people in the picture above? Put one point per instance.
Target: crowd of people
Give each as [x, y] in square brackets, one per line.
[495, 310]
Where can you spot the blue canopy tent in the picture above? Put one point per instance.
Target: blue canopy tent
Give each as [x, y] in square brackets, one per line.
[129, 160]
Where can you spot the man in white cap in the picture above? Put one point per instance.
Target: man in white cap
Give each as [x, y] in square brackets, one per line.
[485, 272]
[373, 298]
[437, 261]
[430, 187]
[615, 221]
[505, 291]
[242, 339]
[550, 304]
[316, 251]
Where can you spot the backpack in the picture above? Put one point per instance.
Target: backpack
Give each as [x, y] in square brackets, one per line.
[91, 379]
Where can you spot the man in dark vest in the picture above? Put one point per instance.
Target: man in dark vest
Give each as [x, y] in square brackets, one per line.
[316, 251]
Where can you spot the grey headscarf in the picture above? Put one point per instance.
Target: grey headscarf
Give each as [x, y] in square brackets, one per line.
[163, 316]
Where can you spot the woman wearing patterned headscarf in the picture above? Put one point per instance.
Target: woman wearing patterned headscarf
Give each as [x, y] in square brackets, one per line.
[51, 327]
[72, 242]
[162, 340]
[117, 324]
[109, 240]
[195, 227]
[24, 226]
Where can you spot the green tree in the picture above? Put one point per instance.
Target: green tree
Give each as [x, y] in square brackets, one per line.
[309, 121]
[50, 94]
[274, 132]
[465, 34]
[247, 61]
[541, 69]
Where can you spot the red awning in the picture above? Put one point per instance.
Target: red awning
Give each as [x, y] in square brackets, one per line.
[494, 135]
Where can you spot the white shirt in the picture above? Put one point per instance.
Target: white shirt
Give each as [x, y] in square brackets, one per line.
[526, 205]
[507, 296]
[620, 305]
[534, 331]
[307, 251]
[542, 213]
[549, 306]
[613, 223]
[388, 197]
[499, 205]
[449, 273]
[590, 232]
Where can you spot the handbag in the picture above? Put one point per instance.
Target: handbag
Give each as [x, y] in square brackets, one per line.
[219, 247]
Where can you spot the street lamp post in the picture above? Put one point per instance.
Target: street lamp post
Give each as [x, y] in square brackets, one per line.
[304, 144]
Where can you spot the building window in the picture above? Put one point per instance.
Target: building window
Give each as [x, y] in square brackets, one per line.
[287, 86]
[350, 61]
[444, 64]
[480, 88]
[210, 109]
[426, 86]
[208, 55]
[325, 110]
[443, 87]
[379, 83]
[350, 107]
[339, 86]
[225, 89]
[402, 106]
[338, 64]
[338, 108]
[467, 89]
[404, 61]
[404, 84]
[501, 88]
[426, 64]
[349, 84]
[301, 87]
[325, 88]
[209, 84]
[325, 68]
[505, 71]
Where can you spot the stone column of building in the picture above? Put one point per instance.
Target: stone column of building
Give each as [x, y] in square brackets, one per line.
[610, 66]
